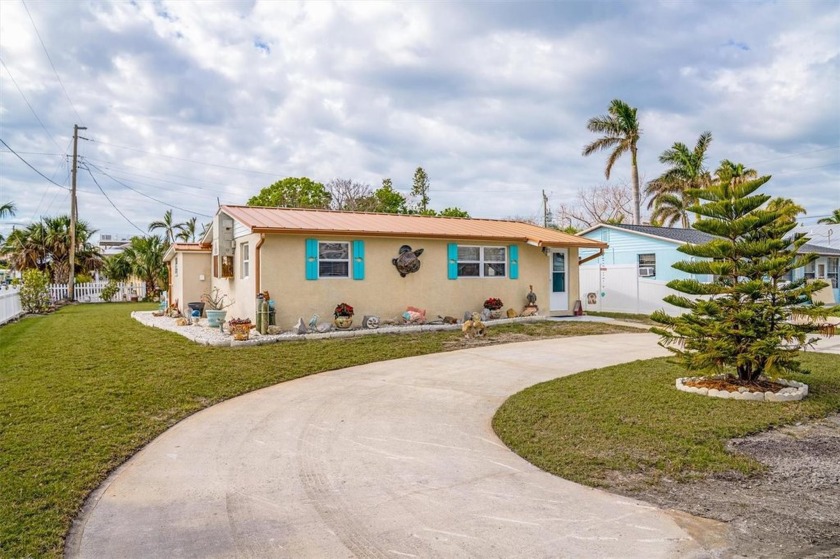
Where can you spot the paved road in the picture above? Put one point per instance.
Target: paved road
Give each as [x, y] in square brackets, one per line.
[394, 459]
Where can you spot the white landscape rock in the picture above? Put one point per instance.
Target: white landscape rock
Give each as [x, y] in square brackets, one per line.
[794, 391]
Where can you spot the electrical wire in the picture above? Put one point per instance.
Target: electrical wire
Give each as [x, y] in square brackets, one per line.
[35, 27]
[28, 104]
[146, 195]
[112, 203]
[31, 167]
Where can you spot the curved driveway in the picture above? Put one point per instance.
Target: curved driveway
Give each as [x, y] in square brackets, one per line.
[392, 459]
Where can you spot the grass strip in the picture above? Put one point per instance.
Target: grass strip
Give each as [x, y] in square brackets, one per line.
[626, 426]
[83, 389]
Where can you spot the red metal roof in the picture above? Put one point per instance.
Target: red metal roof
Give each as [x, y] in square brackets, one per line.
[306, 221]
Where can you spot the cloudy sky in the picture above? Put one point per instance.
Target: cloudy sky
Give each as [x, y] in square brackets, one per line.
[189, 103]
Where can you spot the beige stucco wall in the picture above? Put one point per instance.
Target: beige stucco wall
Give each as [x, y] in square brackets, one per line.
[187, 286]
[383, 292]
[241, 290]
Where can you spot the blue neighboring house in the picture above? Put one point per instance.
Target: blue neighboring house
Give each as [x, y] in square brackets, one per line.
[653, 251]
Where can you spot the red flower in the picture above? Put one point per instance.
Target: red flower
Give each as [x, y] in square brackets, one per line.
[343, 309]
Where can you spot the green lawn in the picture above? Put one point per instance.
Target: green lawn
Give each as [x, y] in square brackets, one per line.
[630, 317]
[83, 389]
[626, 426]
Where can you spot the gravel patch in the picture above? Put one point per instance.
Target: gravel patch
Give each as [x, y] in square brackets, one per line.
[790, 511]
[202, 334]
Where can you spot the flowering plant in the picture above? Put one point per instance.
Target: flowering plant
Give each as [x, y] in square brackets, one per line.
[343, 309]
[493, 304]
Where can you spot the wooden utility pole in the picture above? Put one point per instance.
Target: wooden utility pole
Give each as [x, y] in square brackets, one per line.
[74, 210]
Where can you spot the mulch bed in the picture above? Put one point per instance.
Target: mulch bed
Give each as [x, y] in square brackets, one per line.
[732, 384]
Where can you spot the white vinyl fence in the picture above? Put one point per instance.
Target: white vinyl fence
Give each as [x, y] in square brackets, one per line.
[10, 307]
[90, 292]
[618, 288]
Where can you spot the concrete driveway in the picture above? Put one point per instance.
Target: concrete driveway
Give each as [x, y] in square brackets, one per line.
[393, 459]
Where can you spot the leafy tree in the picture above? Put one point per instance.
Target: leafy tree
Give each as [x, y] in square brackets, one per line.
[389, 201]
[740, 322]
[142, 258]
[186, 230]
[35, 293]
[834, 219]
[168, 225]
[453, 212]
[420, 189]
[621, 134]
[293, 192]
[670, 198]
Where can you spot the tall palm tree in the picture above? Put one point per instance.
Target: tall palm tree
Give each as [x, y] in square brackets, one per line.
[621, 134]
[687, 170]
[734, 173]
[7, 209]
[187, 231]
[168, 225]
[834, 219]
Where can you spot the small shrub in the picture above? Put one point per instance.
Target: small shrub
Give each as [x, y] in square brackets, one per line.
[34, 293]
[109, 291]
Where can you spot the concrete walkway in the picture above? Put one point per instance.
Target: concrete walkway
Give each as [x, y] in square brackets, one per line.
[393, 459]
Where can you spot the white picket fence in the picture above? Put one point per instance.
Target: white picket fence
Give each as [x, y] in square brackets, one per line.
[10, 307]
[91, 292]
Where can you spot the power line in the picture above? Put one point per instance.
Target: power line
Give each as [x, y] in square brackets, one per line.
[28, 104]
[35, 27]
[31, 167]
[112, 203]
[146, 195]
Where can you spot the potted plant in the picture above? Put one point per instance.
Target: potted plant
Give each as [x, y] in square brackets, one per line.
[343, 316]
[215, 303]
[240, 328]
[494, 305]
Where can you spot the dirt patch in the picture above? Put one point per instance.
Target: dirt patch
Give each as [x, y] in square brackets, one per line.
[790, 511]
[732, 384]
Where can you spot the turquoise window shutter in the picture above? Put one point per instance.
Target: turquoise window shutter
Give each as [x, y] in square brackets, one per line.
[358, 260]
[311, 259]
[452, 261]
[513, 255]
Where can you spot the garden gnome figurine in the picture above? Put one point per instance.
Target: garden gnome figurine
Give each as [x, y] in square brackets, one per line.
[531, 297]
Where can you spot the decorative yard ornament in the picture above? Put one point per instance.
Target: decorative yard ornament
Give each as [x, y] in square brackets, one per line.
[408, 261]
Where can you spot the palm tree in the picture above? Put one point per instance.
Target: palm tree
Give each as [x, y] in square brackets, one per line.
[144, 258]
[621, 134]
[45, 245]
[7, 209]
[734, 173]
[187, 231]
[168, 226]
[834, 219]
[669, 194]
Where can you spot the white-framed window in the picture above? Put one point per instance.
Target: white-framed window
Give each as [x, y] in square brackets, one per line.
[333, 259]
[811, 270]
[833, 271]
[647, 265]
[244, 260]
[482, 262]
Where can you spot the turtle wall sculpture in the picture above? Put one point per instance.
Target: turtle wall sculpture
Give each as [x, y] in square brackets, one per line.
[408, 261]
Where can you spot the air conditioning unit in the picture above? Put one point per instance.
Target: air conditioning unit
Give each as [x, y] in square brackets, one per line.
[647, 271]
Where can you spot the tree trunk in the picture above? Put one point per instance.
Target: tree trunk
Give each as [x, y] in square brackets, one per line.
[637, 202]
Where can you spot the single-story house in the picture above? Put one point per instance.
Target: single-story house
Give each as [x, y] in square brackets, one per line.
[631, 274]
[189, 272]
[311, 260]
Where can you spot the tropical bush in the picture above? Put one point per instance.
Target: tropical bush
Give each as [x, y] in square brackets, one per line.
[109, 291]
[35, 293]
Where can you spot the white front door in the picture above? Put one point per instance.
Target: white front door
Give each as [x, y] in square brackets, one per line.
[559, 280]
